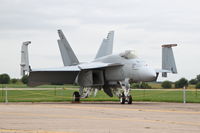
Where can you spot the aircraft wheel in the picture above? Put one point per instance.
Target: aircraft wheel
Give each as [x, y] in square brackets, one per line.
[76, 96]
[122, 99]
[129, 99]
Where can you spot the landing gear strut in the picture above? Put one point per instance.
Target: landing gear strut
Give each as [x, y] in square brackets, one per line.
[83, 93]
[122, 99]
[125, 96]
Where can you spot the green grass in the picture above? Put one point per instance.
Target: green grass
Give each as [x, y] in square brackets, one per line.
[153, 85]
[65, 95]
[166, 95]
[20, 85]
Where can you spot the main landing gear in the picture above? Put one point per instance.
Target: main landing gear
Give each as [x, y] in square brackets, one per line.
[83, 93]
[76, 97]
[124, 94]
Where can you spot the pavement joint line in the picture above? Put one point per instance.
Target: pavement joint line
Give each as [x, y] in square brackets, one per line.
[101, 118]
[30, 131]
[145, 110]
[126, 109]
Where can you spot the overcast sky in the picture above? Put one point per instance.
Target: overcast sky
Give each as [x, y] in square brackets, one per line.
[141, 25]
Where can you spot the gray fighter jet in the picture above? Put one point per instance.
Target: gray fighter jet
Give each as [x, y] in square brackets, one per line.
[109, 72]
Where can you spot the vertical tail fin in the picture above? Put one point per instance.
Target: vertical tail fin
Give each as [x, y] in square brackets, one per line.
[68, 56]
[168, 61]
[106, 47]
[24, 58]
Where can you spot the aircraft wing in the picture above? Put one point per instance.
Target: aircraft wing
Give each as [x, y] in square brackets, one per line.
[63, 75]
[67, 68]
[163, 71]
[97, 65]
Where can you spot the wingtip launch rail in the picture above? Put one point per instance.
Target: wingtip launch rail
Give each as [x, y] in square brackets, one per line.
[24, 58]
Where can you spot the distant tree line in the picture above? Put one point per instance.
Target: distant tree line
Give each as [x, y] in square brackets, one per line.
[195, 81]
[169, 84]
[182, 82]
[177, 84]
[5, 79]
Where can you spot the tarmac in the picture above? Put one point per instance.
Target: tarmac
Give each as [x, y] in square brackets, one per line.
[99, 117]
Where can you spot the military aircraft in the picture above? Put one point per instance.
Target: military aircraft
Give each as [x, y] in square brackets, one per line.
[109, 72]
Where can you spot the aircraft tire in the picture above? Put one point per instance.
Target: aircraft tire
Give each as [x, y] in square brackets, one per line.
[76, 96]
[122, 99]
[130, 99]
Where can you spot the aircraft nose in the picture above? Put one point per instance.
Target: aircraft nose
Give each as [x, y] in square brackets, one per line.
[148, 74]
[151, 74]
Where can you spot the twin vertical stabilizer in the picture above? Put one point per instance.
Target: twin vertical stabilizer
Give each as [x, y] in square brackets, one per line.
[68, 56]
[106, 47]
[168, 61]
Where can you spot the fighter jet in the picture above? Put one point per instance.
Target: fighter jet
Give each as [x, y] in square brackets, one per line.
[112, 73]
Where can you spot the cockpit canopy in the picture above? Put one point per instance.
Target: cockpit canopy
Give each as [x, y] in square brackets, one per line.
[128, 54]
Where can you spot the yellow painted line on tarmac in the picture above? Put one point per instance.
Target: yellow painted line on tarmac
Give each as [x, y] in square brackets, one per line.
[131, 109]
[101, 118]
[29, 131]
[154, 121]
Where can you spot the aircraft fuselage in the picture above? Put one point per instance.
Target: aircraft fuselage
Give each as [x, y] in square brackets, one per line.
[135, 69]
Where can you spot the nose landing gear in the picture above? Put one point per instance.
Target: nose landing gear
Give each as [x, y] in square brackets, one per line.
[125, 96]
[123, 99]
